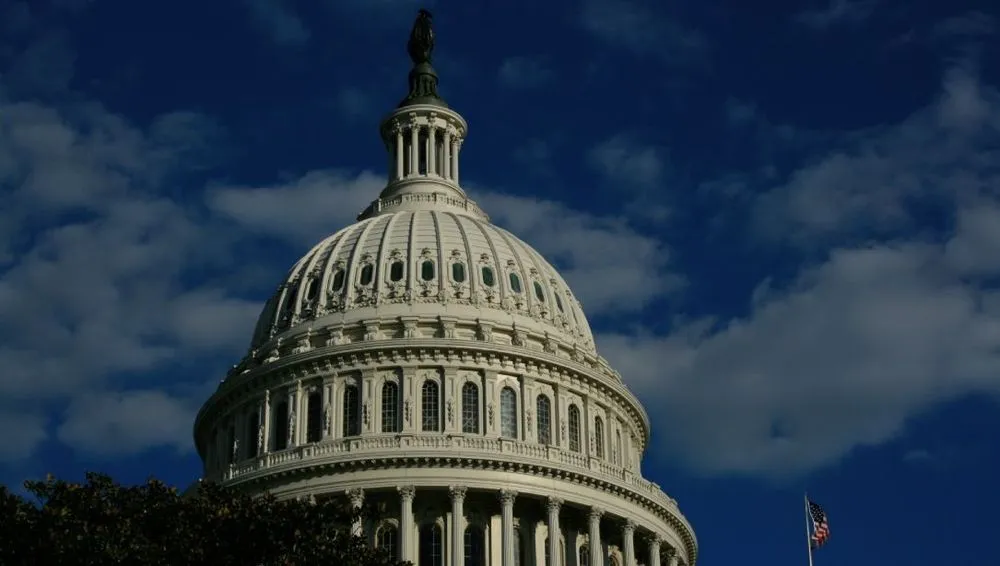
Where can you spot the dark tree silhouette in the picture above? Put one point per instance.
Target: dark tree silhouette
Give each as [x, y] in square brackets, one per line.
[100, 522]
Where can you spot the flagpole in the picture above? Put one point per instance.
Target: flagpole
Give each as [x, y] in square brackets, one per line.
[808, 537]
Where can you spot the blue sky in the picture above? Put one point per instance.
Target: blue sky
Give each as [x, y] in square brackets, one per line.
[783, 220]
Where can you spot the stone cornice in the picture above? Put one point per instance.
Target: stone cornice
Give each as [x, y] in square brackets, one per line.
[432, 351]
[259, 476]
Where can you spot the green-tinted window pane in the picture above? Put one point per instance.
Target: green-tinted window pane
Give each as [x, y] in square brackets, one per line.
[488, 278]
[559, 303]
[366, 274]
[538, 292]
[338, 280]
[458, 272]
[515, 283]
[427, 270]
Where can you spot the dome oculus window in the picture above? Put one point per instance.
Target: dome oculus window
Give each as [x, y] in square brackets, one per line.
[367, 273]
[458, 272]
[539, 294]
[338, 280]
[427, 270]
[515, 282]
[488, 278]
[396, 271]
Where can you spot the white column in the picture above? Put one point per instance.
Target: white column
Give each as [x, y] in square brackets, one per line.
[293, 415]
[672, 557]
[507, 525]
[457, 525]
[628, 535]
[414, 146]
[594, 536]
[357, 497]
[446, 147]
[554, 504]
[454, 159]
[400, 148]
[431, 150]
[654, 550]
[406, 494]
[265, 423]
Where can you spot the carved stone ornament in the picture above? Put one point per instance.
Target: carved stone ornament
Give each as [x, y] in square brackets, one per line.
[406, 410]
[236, 449]
[562, 430]
[291, 426]
[367, 410]
[407, 491]
[328, 419]
[553, 504]
[457, 491]
[450, 411]
[356, 496]
[507, 496]
[527, 419]
[490, 413]
[260, 439]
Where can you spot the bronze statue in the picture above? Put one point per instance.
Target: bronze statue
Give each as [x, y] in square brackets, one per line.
[421, 43]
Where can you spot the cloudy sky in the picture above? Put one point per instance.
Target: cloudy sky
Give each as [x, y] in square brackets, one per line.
[783, 222]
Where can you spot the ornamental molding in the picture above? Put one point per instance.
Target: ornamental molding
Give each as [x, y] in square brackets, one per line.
[320, 363]
[255, 479]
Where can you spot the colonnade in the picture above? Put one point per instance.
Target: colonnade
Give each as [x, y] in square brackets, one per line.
[505, 545]
[423, 146]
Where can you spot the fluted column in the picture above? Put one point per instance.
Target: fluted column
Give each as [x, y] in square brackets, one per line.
[507, 525]
[454, 159]
[263, 447]
[457, 525]
[672, 558]
[431, 150]
[406, 494]
[628, 536]
[414, 146]
[594, 536]
[400, 148]
[446, 147]
[654, 550]
[554, 504]
[357, 497]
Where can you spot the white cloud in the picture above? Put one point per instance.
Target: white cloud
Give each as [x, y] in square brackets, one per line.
[849, 350]
[301, 211]
[120, 423]
[587, 249]
[621, 159]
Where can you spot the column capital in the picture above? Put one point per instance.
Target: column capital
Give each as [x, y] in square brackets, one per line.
[457, 491]
[654, 539]
[357, 496]
[596, 513]
[507, 496]
[670, 551]
[629, 526]
[407, 491]
[553, 504]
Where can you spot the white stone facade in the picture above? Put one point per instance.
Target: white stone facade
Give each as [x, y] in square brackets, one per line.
[432, 362]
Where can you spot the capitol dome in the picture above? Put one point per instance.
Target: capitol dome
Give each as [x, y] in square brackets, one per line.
[430, 362]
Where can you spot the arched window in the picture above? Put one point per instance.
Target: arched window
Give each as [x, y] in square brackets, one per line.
[312, 290]
[559, 304]
[488, 278]
[599, 436]
[508, 413]
[431, 551]
[515, 282]
[430, 406]
[618, 447]
[458, 272]
[427, 270]
[253, 423]
[338, 281]
[584, 556]
[281, 425]
[396, 271]
[475, 548]
[539, 294]
[470, 408]
[390, 407]
[314, 416]
[367, 274]
[387, 539]
[574, 428]
[543, 408]
[351, 412]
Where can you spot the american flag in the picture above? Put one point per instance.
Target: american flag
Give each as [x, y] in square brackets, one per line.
[821, 528]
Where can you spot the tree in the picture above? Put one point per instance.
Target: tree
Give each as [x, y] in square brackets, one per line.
[100, 522]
